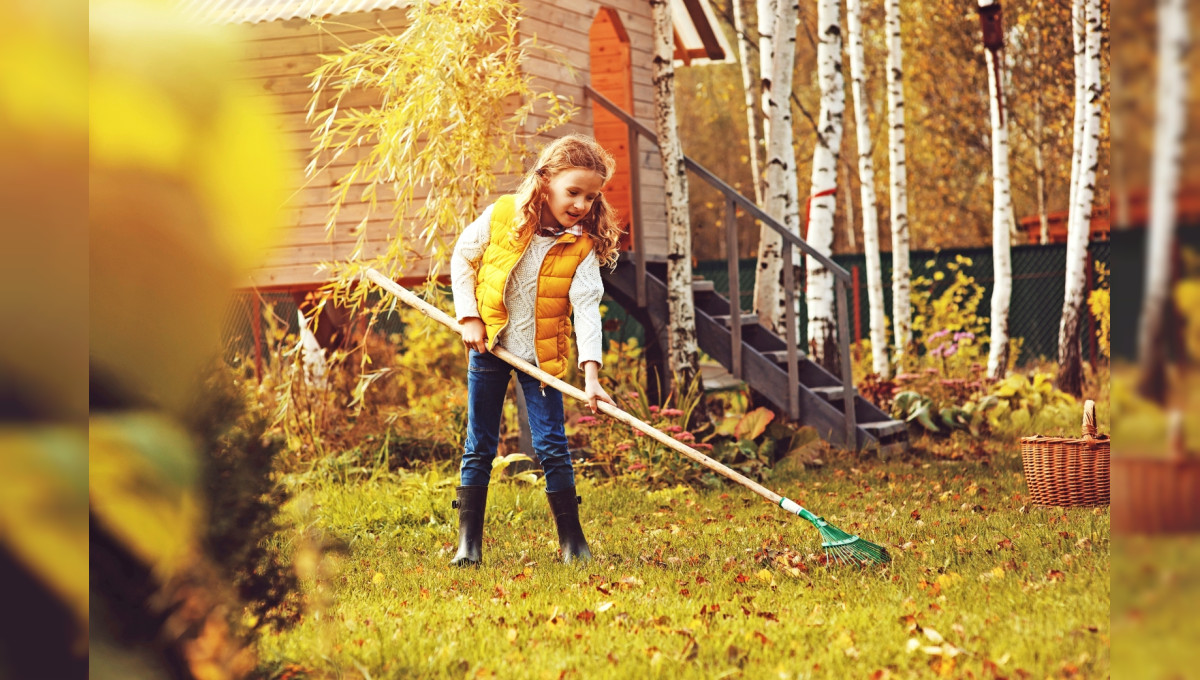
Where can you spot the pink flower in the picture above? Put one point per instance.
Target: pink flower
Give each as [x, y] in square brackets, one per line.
[672, 412]
[685, 437]
[586, 420]
[637, 466]
[702, 446]
[653, 409]
[673, 428]
[632, 395]
[624, 446]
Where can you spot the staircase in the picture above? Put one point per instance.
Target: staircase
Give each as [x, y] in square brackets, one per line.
[805, 391]
[764, 361]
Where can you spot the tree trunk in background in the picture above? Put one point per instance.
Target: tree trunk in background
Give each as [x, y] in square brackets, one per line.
[1070, 360]
[750, 83]
[866, 178]
[1039, 164]
[822, 330]
[1001, 192]
[767, 268]
[781, 190]
[898, 183]
[1169, 125]
[683, 357]
[848, 205]
[1079, 40]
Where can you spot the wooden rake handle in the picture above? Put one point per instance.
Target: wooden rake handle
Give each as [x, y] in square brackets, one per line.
[441, 317]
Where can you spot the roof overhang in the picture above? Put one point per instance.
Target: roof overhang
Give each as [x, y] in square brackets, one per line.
[698, 37]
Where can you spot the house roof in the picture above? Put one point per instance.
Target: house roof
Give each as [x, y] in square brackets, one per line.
[698, 37]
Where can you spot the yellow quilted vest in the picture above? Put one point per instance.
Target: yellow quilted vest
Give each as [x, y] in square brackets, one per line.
[552, 315]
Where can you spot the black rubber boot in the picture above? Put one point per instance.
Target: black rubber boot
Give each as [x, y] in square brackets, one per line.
[564, 505]
[471, 502]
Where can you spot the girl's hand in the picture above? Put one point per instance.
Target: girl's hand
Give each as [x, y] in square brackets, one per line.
[474, 334]
[595, 394]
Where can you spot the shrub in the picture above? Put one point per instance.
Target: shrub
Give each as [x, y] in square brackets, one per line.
[243, 500]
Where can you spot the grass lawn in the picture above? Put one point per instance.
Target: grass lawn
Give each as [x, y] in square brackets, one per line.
[704, 584]
[1156, 593]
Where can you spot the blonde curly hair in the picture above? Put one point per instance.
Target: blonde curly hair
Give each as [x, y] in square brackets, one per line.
[565, 153]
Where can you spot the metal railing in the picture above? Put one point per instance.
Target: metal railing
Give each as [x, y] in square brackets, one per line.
[734, 200]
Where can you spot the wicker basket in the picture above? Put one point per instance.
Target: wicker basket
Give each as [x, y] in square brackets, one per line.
[1063, 472]
[1158, 495]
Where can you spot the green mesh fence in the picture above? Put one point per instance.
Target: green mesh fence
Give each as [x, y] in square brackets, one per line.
[1038, 287]
[1034, 315]
[276, 308]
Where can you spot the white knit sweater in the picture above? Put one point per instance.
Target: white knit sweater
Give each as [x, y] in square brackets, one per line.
[520, 296]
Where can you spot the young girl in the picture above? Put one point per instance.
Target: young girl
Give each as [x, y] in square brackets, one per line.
[516, 272]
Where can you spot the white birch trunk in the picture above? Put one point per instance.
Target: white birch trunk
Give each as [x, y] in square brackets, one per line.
[1079, 40]
[1001, 213]
[866, 178]
[750, 83]
[767, 269]
[780, 191]
[1039, 165]
[822, 331]
[1169, 126]
[683, 356]
[1070, 375]
[898, 183]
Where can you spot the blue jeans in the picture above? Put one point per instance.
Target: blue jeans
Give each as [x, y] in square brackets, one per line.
[487, 383]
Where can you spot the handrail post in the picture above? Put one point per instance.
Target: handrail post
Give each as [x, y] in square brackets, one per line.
[735, 286]
[793, 367]
[639, 230]
[848, 390]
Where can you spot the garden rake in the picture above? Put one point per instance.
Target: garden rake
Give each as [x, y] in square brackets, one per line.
[839, 546]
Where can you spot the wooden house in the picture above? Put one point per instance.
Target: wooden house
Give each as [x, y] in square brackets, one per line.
[609, 46]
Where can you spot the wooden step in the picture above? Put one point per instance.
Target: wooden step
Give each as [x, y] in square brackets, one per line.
[748, 319]
[703, 286]
[779, 356]
[884, 428]
[828, 392]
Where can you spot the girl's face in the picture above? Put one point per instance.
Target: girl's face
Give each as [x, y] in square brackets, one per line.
[569, 197]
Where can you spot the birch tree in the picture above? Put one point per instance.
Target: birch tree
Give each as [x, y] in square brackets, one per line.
[683, 356]
[866, 176]
[1169, 124]
[750, 80]
[1070, 374]
[823, 200]
[898, 182]
[780, 192]
[993, 42]
[1079, 40]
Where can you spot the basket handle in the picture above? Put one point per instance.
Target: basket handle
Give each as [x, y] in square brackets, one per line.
[1089, 419]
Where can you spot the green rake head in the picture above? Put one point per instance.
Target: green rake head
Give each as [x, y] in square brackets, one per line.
[843, 548]
[839, 546]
